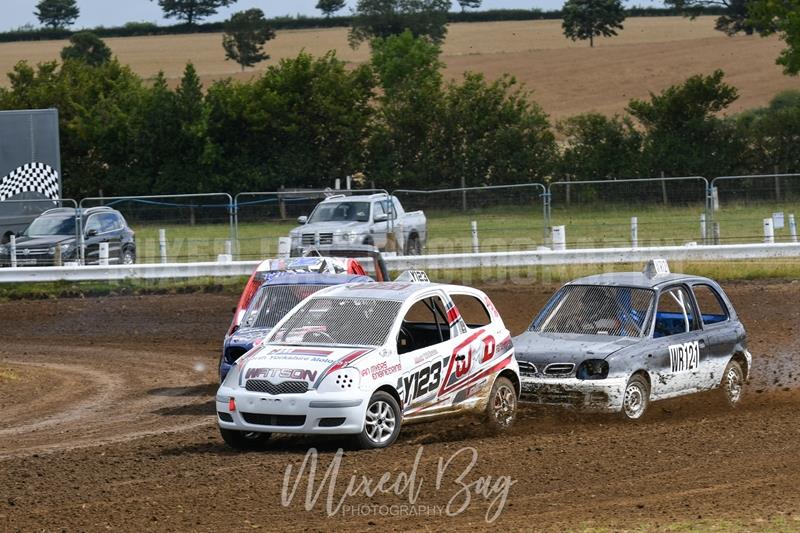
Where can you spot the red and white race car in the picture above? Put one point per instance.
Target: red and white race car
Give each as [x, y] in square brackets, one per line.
[362, 359]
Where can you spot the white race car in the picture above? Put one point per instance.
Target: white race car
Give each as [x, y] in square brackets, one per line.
[362, 359]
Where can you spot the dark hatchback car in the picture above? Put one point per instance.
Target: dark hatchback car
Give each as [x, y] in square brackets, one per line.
[56, 230]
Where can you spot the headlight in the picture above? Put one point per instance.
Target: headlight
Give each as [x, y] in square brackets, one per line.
[592, 369]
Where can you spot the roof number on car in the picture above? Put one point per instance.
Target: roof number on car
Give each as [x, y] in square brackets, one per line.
[656, 267]
[414, 276]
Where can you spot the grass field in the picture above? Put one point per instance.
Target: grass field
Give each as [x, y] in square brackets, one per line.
[567, 77]
[499, 229]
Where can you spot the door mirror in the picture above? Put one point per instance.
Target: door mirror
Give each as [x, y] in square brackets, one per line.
[91, 233]
[381, 217]
[302, 220]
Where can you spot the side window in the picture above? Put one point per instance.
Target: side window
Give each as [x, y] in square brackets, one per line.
[712, 310]
[389, 209]
[674, 314]
[108, 222]
[94, 224]
[424, 325]
[472, 310]
[377, 210]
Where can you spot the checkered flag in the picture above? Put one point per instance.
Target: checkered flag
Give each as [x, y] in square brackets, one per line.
[32, 177]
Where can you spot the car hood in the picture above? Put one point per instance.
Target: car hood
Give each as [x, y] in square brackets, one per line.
[44, 241]
[327, 226]
[278, 363]
[249, 335]
[546, 348]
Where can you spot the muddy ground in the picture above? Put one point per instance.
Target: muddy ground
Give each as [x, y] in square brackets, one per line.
[107, 423]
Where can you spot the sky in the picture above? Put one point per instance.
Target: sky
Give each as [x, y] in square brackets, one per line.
[16, 13]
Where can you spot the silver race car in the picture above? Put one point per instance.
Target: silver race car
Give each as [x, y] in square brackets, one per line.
[616, 342]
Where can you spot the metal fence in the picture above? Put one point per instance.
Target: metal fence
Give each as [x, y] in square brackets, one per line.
[481, 219]
[176, 228]
[661, 211]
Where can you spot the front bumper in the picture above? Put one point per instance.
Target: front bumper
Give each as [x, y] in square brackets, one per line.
[604, 395]
[308, 413]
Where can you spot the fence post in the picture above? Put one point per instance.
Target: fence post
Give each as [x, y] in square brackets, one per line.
[634, 232]
[476, 248]
[664, 189]
[715, 231]
[284, 247]
[547, 213]
[559, 238]
[103, 260]
[13, 250]
[463, 193]
[703, 229]
[162, 244]
[769, 231]
[58, 256]
[792, 228]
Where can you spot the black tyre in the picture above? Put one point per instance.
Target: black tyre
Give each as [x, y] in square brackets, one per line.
[244, 440]
[732, 384]
[128, 256]
[501, 410]
[636, 398]
[381, 423]
[413, 246]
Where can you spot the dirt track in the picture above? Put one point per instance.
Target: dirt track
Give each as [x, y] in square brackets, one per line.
[108, 423]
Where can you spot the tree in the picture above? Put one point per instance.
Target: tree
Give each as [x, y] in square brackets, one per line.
[329, 7]
[192, 10]
[87, 47]
[383, 18]
[783, 18]
[472, 4]
[244, 37]
[732, 21]
[599, 147]
[57, 13]
[587, 19]
[684, 136]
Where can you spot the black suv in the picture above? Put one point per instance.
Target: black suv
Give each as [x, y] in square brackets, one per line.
[37, 245]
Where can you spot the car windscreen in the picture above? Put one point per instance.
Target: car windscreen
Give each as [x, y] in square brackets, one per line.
[341, 212]
[51, 225]
[339, 321]
[596, 310]
[272, 302]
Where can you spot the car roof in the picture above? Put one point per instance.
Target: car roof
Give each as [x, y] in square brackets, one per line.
[357, 198]
[61, 211]
[388, 290]
[314, 278]
[636, 279]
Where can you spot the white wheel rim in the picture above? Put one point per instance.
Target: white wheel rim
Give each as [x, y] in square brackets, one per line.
[635, 401]
[503, 406]
[733, 385]
[380, 422]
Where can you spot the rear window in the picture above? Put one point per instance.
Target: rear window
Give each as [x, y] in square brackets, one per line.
[472, 310]
[596, 310]
[712, 310]
[339, 321]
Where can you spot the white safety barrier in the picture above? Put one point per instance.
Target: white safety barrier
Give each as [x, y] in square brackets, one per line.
[420, 262]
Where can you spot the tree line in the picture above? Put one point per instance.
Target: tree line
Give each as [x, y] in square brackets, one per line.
[308, 120]
[247, 32]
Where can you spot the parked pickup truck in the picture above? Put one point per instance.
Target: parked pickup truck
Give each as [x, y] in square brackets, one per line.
[377, 220]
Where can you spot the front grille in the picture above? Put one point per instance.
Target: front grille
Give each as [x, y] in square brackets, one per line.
[274, 420]
[308, 238]
[526, 368]
[287, 387]
[326, 238]
[555, 397]
[225, 417]
[33, 251]
[559, 369]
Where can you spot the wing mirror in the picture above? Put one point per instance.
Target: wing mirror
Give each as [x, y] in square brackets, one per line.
[382, 217]
[91, 233]
[302, 220]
